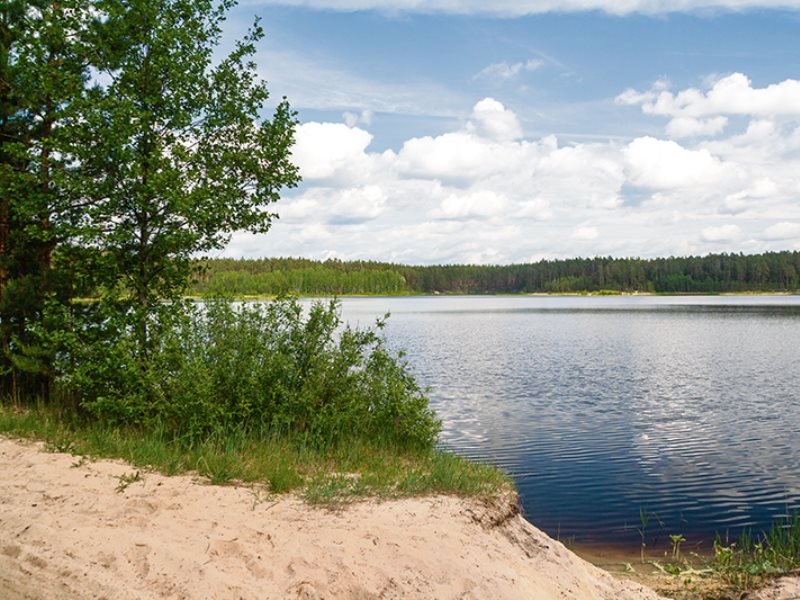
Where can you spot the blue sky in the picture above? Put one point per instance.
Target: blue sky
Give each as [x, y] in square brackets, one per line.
[465, 131]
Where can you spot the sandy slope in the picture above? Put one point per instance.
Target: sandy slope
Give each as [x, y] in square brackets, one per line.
[66, 533]
[786, 588]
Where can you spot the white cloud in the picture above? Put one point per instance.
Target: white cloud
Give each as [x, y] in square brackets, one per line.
[483, 193]
[355, 205]
[687, 127]
[321, 150]
[730, 95]
[504, 71]
[485, 146]
[348, 205]
[750, 197]
[783, 231]
[353, 119]
[585, 233]
[456, 155]
[722, 233]
[664, 164]
[298, 77]
[478, 203]
[313, 232]
[528, 7]
[492, 120]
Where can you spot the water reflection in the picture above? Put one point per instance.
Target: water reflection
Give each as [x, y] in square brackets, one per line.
[687, 407]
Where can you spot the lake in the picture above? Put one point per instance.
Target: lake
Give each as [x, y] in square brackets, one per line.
[685, 407]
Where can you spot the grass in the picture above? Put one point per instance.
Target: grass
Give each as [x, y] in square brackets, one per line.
[752, 559]
[736, 567]
[347, 471]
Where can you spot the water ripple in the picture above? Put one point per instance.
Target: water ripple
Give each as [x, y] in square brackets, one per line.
[686, 408]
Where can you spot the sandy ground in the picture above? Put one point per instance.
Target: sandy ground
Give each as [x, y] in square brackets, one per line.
[65, 532]
[787, 588]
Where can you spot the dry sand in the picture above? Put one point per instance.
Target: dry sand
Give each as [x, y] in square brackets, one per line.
[787, 588]
[65, 532]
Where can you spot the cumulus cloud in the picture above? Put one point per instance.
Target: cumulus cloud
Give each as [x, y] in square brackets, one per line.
[485, 146]
[340, 206]
[492, 120]
[722, 233]
[664, 164]
[783, 231]
[483, 192]
[686, 127]
[478, 203]
[730, 95]
[585, 233]
[323, 149]
[528, 7]
[748, 198]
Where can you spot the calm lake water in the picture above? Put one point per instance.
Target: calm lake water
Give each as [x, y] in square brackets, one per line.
[686, 407]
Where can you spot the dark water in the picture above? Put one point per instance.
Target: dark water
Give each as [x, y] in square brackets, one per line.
[685, 407]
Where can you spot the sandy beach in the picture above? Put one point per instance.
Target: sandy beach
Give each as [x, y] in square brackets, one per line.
[67, 532]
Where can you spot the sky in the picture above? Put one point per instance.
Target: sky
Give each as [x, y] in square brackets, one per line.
[508, 131]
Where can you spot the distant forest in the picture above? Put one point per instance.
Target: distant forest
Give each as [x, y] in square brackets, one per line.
[715, 273]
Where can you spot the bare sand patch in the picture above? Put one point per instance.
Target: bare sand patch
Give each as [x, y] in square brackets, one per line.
[66, 532]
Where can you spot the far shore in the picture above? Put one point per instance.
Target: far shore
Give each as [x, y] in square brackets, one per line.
[255, 297]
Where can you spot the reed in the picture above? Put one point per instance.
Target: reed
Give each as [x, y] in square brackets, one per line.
[752, 558]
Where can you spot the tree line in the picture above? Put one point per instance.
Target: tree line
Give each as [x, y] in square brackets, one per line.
[711, 274]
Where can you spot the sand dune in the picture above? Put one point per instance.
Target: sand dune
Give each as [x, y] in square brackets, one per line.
[65, 532]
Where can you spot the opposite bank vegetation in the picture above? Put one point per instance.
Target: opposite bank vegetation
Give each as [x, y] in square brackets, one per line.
[712, 274]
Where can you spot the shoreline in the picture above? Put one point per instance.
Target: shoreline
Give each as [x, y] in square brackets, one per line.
[257, 297]
[70, 529]
[67, 530]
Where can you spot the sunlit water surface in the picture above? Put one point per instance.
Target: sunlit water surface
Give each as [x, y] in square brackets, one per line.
[599, 407]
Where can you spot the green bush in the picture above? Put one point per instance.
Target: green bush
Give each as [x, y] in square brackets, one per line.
[271, 367]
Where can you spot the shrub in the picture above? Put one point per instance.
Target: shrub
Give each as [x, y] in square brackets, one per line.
[273, 367]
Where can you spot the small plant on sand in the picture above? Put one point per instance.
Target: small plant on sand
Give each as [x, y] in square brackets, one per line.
[61, 444]
[677, 539]
[127, 479]
[260, 494]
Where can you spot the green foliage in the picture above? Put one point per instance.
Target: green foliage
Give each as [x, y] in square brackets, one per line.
[126, 479]
[748, 561]
[127, 145]
[43, 70]
[222, 367]
[271, 462]
[179, 156]
[715, 273]
[677, 539]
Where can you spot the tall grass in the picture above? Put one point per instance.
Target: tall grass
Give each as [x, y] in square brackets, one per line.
[280, 462]
[751, 559]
